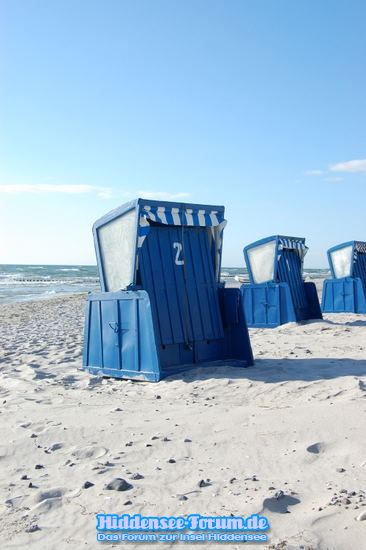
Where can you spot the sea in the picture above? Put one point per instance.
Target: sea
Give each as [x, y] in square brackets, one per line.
[22, 283]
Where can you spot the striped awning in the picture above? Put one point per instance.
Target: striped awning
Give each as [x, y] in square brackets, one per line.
[298, 244]
[177, 216]
[360, 247]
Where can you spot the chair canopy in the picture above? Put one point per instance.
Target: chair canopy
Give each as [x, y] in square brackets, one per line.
[348, 260]
[119, 236]
[263, 257]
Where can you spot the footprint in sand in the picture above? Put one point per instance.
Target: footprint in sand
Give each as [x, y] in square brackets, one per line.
[50, 494]
[69, 380]
[89, 453]
[316, 448]
[56, 447]
[36, 427]
[42, 375]
[47, 504]
[280, 505]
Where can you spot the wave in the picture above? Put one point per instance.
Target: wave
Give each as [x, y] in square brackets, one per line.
[49, 282]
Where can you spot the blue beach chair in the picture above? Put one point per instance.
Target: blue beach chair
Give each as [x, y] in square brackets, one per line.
[162, 308]
[346, 291]
[277, 293]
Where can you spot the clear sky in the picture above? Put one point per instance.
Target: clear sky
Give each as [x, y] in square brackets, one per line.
[258, 105]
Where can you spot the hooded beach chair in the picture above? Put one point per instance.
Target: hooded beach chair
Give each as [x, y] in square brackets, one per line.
[277, 293]
[346, 291]
[162, 308]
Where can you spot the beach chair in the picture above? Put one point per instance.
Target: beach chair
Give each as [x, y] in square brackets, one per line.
[162, 308]
[277, 293]
[346, 291]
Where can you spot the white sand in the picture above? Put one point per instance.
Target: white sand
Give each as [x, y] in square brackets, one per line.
[291, 421]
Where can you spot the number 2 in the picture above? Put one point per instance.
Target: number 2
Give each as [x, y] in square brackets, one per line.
[179, 248]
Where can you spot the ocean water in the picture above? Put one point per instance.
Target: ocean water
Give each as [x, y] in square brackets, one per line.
[20, 283]
[241, 273]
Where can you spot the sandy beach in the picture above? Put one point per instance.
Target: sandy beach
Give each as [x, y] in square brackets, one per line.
[284, 439]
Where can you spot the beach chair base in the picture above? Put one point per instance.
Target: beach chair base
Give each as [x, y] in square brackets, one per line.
[269, 305]
[344, 295]
[120, 340]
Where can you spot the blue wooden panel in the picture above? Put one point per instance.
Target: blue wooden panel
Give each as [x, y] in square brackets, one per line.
[314, 311]
[110, 334]
[328, 296]
[128, 334]
[341, 295]
[289, 271]
[262, 305]
[201, 284]
[267, 305]
[95, 354]
[119, 336]
[338, 296]
[359, 269]
[349, 295]
[177, 271]
[259, 298]
[236, 343]
[272, 305]
[159, 279]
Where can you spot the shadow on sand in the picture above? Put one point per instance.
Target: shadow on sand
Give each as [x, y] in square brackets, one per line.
[275, 370]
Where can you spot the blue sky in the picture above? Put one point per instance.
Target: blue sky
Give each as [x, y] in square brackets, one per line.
[257, 105]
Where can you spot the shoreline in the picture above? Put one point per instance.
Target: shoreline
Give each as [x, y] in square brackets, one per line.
[23, 283]
[61, 295]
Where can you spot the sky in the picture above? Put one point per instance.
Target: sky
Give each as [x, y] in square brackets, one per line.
[258, 105]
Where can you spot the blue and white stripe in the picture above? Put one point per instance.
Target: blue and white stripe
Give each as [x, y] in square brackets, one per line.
[294, 244]
[176, 216]
[360, 247]
[297, 244]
